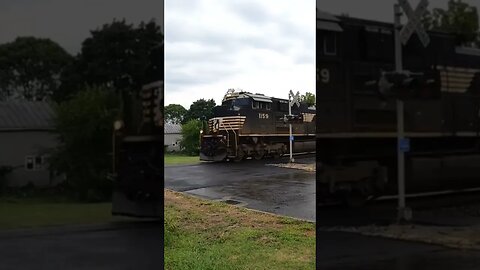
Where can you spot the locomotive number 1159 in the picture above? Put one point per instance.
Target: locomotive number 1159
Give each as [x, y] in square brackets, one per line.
[263, 115]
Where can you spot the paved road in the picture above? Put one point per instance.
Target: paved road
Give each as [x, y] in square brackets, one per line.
[446, 210]
[250, 183]
[345, 251]
[135, 245]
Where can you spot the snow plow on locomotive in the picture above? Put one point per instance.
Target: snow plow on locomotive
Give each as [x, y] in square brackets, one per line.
[356, 111]
[254, 125]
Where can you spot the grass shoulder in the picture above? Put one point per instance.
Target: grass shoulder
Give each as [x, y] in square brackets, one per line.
[35, 212]
[201, 234]
[180, 159]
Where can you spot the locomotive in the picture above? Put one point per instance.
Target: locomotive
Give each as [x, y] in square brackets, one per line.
[137, 162]
[356, 111]
[254, 125]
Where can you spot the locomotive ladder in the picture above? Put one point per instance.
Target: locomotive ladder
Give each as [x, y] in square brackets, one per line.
[228, 138]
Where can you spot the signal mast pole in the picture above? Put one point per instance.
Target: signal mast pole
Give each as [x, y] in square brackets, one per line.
[290, 127]
[292, 99]
[403, 213]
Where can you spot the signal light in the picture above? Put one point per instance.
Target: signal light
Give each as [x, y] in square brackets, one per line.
[407, 85]
[293, 119]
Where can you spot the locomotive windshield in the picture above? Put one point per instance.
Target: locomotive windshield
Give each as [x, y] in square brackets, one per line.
[236, 104]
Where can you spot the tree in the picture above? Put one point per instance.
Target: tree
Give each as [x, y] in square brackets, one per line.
[84, 125]
[459, 18]
[200, 110]
[190, 142]
[120, 56]
[30, 68]
[175, 113]
[308, 98]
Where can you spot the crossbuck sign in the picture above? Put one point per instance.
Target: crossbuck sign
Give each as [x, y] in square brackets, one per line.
[414, 22]
[295, 98]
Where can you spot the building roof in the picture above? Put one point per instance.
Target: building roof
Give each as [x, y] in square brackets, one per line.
[26, 115]
[326, 21]
[324, 16]
[172, 128]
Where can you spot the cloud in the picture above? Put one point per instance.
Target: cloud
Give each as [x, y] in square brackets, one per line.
[69, 22]
[259, 46]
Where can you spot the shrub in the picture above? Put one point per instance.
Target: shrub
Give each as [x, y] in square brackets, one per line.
[190, 142]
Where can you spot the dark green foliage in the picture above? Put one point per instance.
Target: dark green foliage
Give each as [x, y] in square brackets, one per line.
[308, 98]
[459, 18]
[175, 113]
[30, 68]
[200, 110]
[191, 137]
[118, 55]
[84, 124]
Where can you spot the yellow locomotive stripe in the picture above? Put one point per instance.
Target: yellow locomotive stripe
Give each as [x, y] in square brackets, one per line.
[227, 123]
[456, 79]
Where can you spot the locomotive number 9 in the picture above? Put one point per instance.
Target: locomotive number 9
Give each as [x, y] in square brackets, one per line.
[325, 75]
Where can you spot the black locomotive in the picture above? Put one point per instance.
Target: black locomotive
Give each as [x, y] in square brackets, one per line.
[356, 110]
[138, 154]
[257, 126]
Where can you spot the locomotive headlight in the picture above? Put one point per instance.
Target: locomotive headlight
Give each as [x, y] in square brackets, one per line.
[117, 125]
[201, 131]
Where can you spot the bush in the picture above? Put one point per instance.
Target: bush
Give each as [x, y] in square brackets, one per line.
[84, 124]
[190, 142]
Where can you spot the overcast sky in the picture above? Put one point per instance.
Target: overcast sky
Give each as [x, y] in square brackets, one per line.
[260, 46]
[68, 22]
[381, 10]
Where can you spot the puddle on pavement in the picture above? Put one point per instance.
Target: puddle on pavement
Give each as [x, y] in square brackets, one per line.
[232, 202]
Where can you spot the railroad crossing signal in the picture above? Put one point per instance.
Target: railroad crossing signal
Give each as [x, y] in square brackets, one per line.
[414, 22]
[295, 98]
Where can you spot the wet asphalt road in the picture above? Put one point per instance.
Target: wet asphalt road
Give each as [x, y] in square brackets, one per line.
[345, 251]
[251, 184]
[134, 245]
[137, 245]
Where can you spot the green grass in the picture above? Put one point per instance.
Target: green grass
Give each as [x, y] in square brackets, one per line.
[29, 213]
[210, 235]
[179, 159]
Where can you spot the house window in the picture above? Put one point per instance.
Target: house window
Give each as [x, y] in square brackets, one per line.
[35, 162]
[38, 162]
[29, 163]
[330, 44]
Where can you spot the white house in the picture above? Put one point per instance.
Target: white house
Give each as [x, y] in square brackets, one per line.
[172, 137]
[26, 136]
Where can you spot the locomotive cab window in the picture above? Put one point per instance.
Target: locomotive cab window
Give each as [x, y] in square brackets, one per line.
[265, 106]
[330, 44]
[261, 105]
[236, 104]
